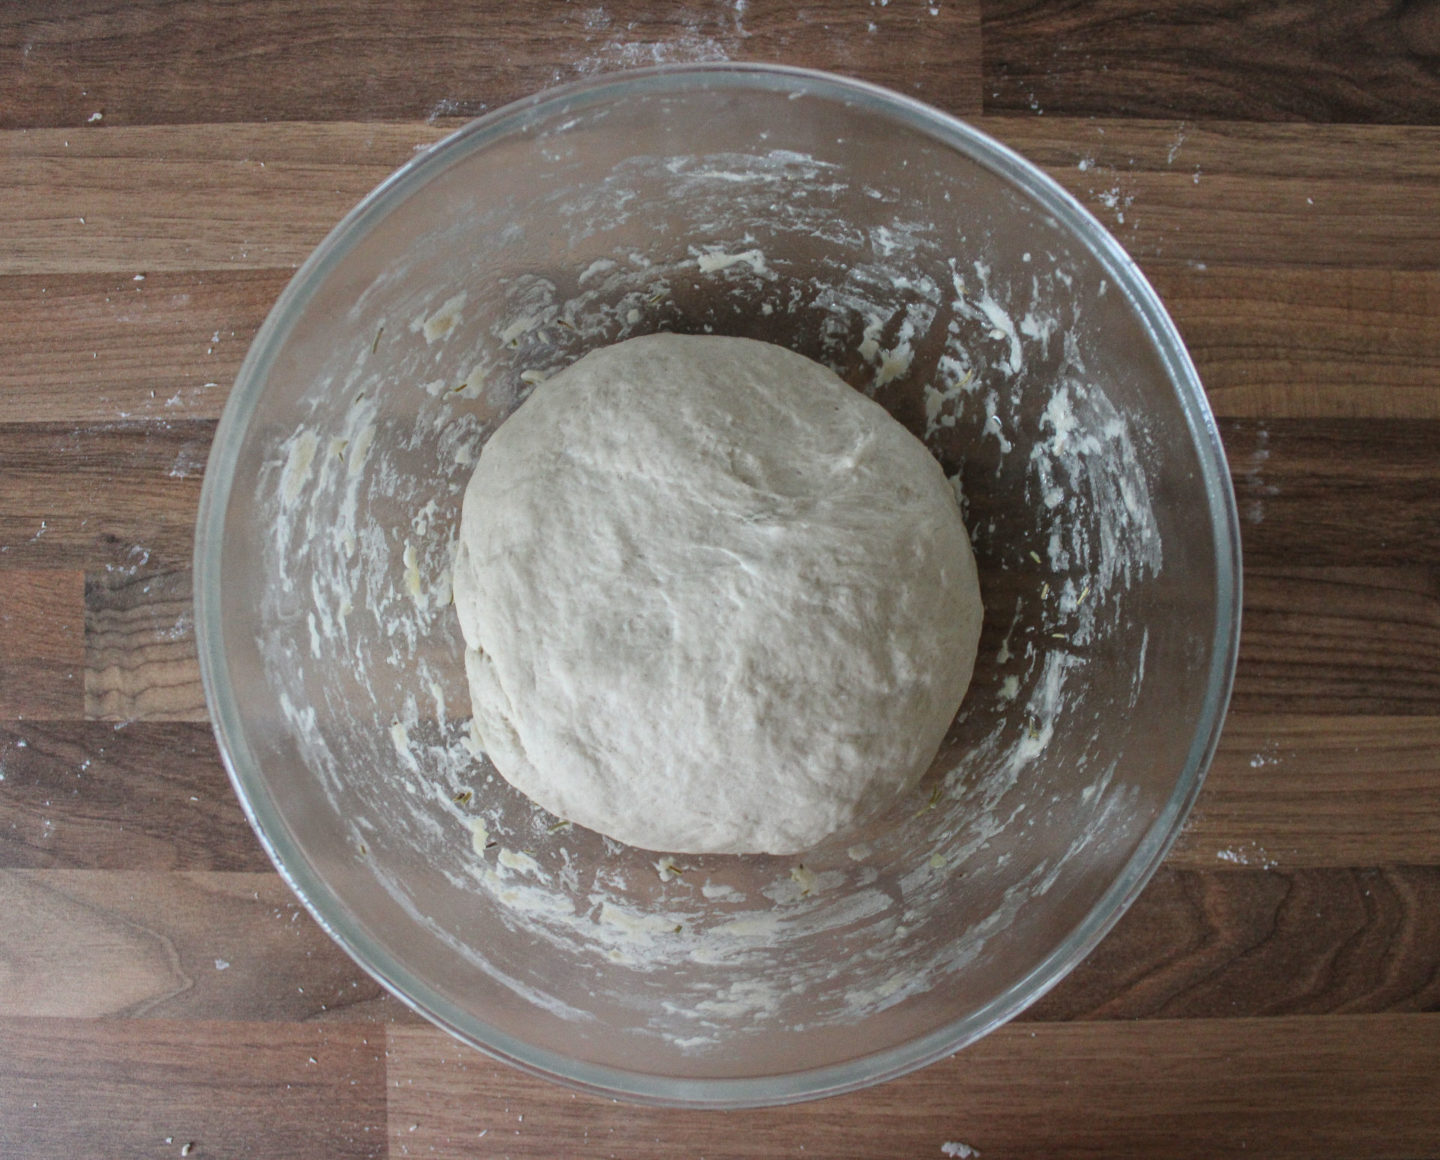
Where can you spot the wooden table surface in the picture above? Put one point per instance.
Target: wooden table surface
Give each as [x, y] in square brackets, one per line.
[1275, 169]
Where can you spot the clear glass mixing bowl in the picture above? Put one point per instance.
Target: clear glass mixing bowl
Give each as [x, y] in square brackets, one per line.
[935, 270]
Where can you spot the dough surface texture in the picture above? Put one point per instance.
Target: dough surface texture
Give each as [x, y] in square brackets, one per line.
[715, 599]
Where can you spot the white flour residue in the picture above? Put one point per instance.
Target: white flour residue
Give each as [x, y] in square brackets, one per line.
[299, 456]
[443, 321]
[982, 307]
[714, 260]
[1040, 328]
[695, 40]
[1250, 854]
[945, 396]
[1085, 462]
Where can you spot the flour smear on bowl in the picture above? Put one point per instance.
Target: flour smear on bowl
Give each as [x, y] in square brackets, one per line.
[1001, 381]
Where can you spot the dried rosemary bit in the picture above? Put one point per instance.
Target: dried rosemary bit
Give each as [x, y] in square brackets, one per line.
[462, 798]
[374, 346]
[934, 801]
[1084, 592]
[562, 824]
[1044, 590]
[1034, 555]
[668, 870]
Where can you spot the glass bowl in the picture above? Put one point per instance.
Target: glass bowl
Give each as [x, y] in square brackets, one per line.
[933, 269]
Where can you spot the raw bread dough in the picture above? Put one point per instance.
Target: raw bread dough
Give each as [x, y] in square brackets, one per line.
[715, 599]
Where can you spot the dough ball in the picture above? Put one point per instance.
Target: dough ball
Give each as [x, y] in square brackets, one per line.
[715, 599]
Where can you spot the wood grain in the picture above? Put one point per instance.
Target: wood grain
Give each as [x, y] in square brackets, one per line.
[185, 198]
[1308, 492]
[1339, 640]
[1293, 791]
[130, 796]
[1262, 942]
[1315, 60]
[119, 495]
[140, 661]
[1312, 196]
[161, 61]
[105, 347]
[1290, 782]
[1214, 944]
[1313, 641]
[173, 945]
[163, 1088]
[125, 494]
[1318, 791]
[41, 641]
[1290, 343]
[1269, 342]
[1279, 1088]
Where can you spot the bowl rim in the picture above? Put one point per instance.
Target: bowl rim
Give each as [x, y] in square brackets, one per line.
[329, 910]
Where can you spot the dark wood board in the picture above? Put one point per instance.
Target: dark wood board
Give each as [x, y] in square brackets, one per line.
[1275, 171]
[1285, 1087]
[1305, 60]
[162, 62]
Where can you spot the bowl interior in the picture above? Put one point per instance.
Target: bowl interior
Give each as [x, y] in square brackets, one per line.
[932, 270]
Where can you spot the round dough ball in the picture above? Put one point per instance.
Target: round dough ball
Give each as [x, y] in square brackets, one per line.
[715, 599]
